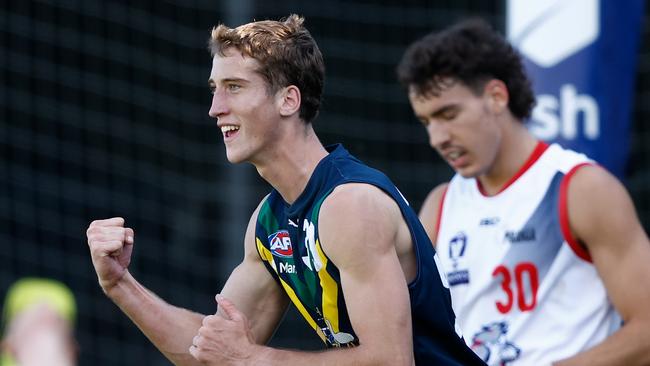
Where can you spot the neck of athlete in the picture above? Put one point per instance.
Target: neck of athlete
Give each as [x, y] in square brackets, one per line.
[292, 160]
[516, 146]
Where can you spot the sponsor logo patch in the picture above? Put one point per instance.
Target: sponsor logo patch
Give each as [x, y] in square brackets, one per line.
[280, 244]
[523, 235]
[287, 268]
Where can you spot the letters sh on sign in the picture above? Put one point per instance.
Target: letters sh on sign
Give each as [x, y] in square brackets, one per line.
[581, 56]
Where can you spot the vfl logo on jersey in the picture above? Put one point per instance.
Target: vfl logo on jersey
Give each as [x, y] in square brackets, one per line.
[491, 345]
[280, 244]
[457, 246]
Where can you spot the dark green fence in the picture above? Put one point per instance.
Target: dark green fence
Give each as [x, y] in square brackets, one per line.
[103, 112]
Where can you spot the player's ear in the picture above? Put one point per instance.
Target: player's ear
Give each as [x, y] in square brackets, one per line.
[497, 95]
[289, 100]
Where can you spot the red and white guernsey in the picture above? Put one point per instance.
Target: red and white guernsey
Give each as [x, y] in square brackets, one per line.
[524, 291]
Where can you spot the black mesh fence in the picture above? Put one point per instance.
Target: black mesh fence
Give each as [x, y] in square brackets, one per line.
[104, 113]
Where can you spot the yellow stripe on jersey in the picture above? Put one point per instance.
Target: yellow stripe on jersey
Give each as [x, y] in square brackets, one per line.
[301, 308]
[265, 254]
[268, 257]
[330, 292]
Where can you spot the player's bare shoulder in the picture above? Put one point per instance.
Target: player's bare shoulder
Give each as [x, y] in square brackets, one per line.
[599, 205]
[358, 219]
[249, 238]
[365, 207]
[430, 211]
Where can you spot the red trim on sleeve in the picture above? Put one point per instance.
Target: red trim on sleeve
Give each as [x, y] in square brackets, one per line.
[534, 156]
[440, 206]
[577, 247]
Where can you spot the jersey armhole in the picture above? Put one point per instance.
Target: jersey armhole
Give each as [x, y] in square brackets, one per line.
[262, 251]
[266, 256]
[440, 207]
[577, 247]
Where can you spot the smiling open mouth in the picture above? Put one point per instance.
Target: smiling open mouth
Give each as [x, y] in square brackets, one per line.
[229, 131]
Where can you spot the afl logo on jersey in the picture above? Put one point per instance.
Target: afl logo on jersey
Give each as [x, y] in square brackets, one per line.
[280, 244]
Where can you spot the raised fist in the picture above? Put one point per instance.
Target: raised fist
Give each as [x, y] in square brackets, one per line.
[110, 246]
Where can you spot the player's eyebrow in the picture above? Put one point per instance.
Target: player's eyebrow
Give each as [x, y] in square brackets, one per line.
[212, 83]
[444, 109]
[440, 111]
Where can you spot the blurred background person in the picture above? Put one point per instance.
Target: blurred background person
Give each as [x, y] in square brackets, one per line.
[38, 323]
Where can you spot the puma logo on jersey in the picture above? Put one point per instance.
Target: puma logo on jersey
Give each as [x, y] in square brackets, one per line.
[489, 221]
[525, 234]
[280, 244]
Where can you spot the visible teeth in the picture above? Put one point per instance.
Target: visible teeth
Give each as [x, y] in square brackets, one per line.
[225, 129]
[454, 155]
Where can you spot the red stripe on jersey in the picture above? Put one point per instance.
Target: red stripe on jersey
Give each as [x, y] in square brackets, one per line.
[440, 206]
[536, 154]
[577, 247]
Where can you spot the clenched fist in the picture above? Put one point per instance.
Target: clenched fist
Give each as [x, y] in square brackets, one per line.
[225, 338]
[110, 246]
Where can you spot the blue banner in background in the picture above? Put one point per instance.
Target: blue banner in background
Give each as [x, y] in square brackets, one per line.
[581, 56]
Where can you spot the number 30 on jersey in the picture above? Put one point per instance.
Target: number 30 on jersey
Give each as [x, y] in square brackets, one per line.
[523, 288]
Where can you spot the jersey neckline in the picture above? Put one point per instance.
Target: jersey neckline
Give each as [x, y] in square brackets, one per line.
[315, 180]
[534, 156]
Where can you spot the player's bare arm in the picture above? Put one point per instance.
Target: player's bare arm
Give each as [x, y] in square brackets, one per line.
[171, 329]
[253, 291]
[430, 212]
[111, 244]
[250, 307]
[363, 231]
[602, 216]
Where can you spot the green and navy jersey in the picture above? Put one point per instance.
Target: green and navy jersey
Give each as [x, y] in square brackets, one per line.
[287, 240]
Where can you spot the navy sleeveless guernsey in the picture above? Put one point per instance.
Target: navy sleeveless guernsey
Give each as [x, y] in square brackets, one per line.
[287, 240]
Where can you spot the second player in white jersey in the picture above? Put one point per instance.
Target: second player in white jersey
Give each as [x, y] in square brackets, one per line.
[523, 289]
[543, 249]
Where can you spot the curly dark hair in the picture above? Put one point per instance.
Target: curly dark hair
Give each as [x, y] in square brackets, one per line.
[470, 52]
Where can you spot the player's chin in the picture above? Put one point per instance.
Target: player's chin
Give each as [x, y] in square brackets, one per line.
[234, 157]
[468, 171]
[236, 161]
